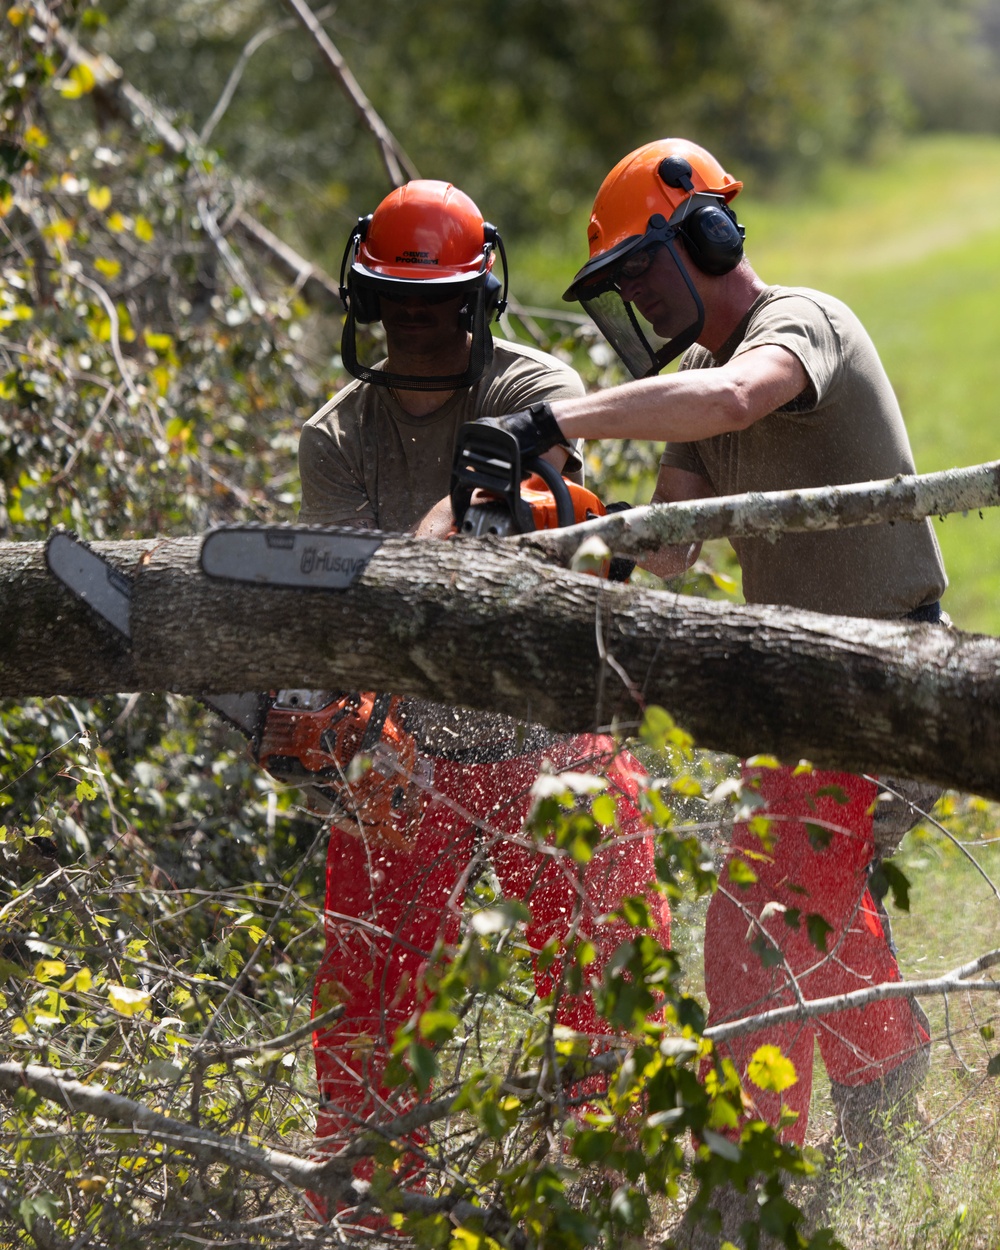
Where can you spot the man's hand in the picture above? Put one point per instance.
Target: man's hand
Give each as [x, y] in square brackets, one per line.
[535, 429]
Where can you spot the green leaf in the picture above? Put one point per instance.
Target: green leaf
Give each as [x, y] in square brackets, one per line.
[603, 809]
[740, 872]
[832, 792]
[85, 790]
[887, 876]
[438, 1026]
[820, 836]
[818, 929]
[720, 1145]
[423, 1064]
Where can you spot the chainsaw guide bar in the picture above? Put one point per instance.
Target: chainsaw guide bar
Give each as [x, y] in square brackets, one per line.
[108, 593]
[297, 556]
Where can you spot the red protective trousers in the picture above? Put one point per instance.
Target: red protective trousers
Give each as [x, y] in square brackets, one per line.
[817, 864]
[386, 909]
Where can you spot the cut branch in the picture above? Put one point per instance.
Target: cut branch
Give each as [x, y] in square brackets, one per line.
[762, 515]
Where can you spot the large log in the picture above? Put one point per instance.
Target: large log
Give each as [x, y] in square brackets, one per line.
[480, 624]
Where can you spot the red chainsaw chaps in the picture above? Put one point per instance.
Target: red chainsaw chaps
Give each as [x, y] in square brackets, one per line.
[388, 907]
[803, 874]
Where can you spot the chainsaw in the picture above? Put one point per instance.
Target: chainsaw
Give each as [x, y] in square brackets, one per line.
[352, 750]
[493, 493]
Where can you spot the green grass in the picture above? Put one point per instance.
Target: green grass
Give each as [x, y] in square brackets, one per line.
[911, 241]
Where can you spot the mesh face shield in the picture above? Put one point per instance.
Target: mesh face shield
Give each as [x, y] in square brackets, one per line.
[677, 310]
[482, 296]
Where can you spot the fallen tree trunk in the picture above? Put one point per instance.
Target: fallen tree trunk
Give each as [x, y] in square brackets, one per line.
[477, 623]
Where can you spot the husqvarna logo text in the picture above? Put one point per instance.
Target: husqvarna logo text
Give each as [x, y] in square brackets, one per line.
[316, 560]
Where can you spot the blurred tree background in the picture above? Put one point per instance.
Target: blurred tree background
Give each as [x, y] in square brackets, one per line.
[528, 103]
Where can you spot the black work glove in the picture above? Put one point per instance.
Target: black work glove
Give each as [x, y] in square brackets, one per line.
[535, 429]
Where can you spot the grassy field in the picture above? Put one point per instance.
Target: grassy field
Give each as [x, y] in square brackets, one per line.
[912, 242]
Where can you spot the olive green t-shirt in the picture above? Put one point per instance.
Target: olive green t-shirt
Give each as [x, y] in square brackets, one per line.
[365, 462]
[845, 427]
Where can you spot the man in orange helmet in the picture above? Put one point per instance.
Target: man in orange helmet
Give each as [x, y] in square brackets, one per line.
[778, 388]
[378, 455]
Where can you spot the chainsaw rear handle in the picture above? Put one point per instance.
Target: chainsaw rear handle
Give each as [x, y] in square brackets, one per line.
[489, 459]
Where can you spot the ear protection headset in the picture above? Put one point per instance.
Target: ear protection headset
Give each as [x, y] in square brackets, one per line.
[711, 233]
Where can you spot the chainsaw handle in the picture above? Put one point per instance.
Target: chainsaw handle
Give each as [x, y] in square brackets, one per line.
[556, 483]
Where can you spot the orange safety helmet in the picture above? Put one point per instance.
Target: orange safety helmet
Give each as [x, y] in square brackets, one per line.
[663, 191]
[426, 238]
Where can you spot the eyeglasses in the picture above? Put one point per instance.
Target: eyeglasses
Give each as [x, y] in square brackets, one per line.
[636, 265]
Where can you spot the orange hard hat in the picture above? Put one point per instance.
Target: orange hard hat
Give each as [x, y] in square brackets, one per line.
[656, 179]
[426, 230]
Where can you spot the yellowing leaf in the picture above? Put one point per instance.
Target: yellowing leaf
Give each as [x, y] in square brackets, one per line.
[128, 1002]
[769, 1069]
[47, 969]
[99, 198]
[158, 342]
[144, 229]
[35, 138]
[84, 790]
[117, 223]
[724, 582]
[59, 229]
[763, 761]
[16, 15]
[78, 82]
[92, 1184]
[109, 268]
[18, 1027]
[686, 785]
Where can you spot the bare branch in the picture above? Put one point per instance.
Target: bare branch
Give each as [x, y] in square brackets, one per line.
[810, 1008]
[316, 286]
[764, 514]
[398, 165]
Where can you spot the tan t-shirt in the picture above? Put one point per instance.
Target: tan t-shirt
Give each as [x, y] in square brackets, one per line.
[366, 462]
[846, 427]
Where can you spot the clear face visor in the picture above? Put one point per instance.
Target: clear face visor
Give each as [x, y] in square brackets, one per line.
[671, 315]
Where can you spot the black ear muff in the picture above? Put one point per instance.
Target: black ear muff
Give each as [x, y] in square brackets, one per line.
[348, 289]
[713, 237]
[494, 295]
[492, 292]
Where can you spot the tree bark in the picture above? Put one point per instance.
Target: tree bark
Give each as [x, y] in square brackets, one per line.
[479, 624]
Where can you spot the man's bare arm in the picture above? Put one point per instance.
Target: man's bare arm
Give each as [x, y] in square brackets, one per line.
[690, 405]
